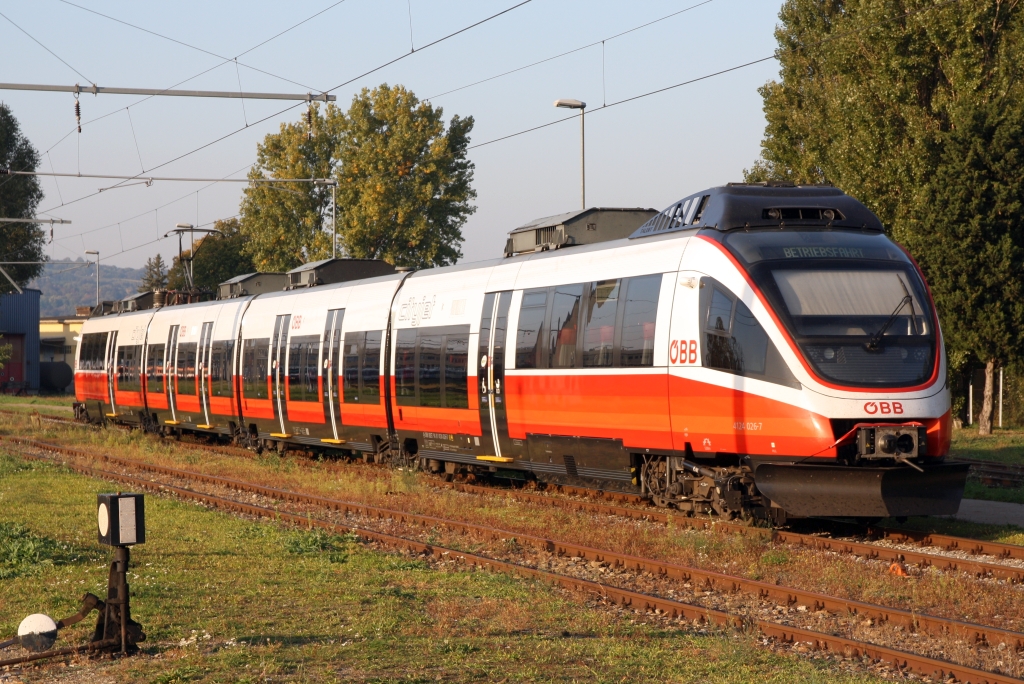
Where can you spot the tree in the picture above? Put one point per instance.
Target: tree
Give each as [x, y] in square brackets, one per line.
[404, 183]
[19, 198]
[916, 109]
[218, 258]
[154, 275]
[284, 224]
[5, 352]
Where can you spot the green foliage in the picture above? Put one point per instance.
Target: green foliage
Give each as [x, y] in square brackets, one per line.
[22, 552]
[5, 353]
[286, 224]
[404, 185]
[318, 542]
[217, 258]
[19, 198]
[154, 274]
[917, 109]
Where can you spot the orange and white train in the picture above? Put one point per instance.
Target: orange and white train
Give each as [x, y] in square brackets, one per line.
[753, 350]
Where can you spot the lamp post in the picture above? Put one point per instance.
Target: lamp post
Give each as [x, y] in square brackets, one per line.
[334, 219]
[577, 104]
[92, 251]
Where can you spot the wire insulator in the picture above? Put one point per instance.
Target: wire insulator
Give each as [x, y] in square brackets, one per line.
[78, 114]
[309, 122]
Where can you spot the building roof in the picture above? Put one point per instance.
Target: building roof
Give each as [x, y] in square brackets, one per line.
[239, 278]
[559, 219]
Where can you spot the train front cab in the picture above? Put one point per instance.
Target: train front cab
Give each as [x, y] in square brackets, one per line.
[816, 357]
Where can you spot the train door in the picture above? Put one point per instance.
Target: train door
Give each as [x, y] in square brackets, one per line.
[170, 371]
[331, 371]
[278, 371]
[493, 414]
[203, 372]
[112, 371]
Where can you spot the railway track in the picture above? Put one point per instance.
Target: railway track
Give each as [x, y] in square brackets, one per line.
[996, 474]
[980, 636]
[611, 503]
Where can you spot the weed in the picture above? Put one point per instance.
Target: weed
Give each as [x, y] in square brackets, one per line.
[22, 552]
[406, 565]
[333, 547]
[776, 557]
[460, 648]
[180, 675]
[10, 465]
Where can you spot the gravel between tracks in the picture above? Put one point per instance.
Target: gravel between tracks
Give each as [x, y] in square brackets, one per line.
[994, 657]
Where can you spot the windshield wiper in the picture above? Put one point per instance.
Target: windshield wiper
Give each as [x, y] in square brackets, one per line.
[876, 340]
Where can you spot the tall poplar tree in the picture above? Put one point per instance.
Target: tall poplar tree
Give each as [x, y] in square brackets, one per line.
[917, 109]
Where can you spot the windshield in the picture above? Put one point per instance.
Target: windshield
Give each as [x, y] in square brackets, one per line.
[853, 302]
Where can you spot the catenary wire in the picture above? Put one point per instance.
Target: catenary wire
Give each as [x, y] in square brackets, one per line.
[290, 107]
[46, 48]
[188, 45]
[201, 73]
[774, 55]
[569, 52]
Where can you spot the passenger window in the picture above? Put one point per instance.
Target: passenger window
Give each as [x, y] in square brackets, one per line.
[429, 370]
[94, 346]
[128, 362]
[303, 352]
[599, 331]
[155, 369]
[255, 361]
[735, 342]
[638, 321]
[432, 367]
[370, 365]
[563, 324]
[353, 352]
[405, 368]
[187, 368]
[220, 367]
[529, 346]
[456, 371]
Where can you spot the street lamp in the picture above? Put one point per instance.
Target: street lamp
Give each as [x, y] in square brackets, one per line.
[577, 104]
[334, 220]
[92, 251]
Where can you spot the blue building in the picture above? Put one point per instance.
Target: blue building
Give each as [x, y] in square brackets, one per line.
[19, 327]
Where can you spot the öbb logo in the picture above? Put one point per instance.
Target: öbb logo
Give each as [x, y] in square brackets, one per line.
[682, 351]
[883, 407]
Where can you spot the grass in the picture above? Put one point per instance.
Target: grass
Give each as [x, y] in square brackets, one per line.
[56, 405]
[1003, 445]
[225, 599]
[752, 557]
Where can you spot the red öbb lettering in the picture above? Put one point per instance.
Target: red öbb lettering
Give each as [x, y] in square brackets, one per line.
[897, 407]
[673, 351]
[693, 351]
[871, 408]
[884, 407]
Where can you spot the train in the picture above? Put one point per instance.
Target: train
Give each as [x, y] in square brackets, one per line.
[757, 351]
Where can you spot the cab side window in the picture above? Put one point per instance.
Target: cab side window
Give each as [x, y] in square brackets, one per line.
[734, 341]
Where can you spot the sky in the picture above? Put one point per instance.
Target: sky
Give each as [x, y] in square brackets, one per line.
[647, 152]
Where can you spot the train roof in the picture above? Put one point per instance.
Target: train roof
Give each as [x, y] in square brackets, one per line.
[763, 205]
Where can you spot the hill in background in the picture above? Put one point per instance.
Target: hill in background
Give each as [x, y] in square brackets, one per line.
[66, 286]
